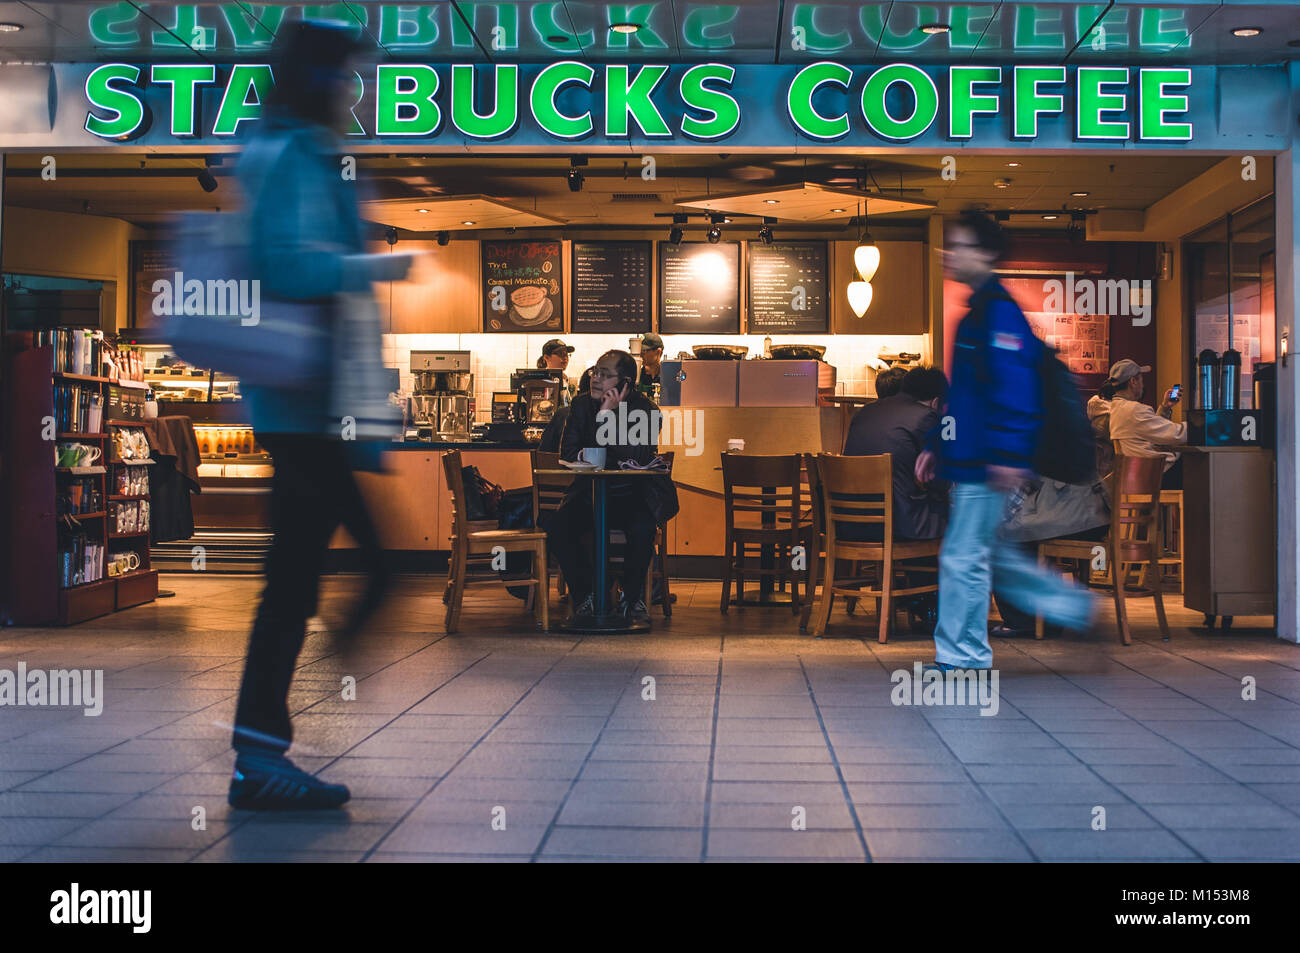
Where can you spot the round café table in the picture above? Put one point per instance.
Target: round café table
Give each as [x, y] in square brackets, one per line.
[602, 621]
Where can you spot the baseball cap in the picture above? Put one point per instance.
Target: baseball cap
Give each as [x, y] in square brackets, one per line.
[649, 339]
[555, 346]
[1121, 372]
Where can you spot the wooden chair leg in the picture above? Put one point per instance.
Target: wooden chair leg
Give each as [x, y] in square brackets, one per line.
[543, 588]
[796, 602]
[1038, 619]
[822, 616]
[457, 583]
[1121, 618]
[1160, 606]
[727, 555]
[662, 545]
[886, 594]
[815, 571]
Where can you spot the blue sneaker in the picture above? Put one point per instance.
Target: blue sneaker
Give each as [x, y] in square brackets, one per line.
[274, 783]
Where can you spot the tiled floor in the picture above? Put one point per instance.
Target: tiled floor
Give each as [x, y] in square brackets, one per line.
[500, 743]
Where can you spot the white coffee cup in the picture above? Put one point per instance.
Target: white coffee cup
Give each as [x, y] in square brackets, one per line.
[593, 455]
[736, 444]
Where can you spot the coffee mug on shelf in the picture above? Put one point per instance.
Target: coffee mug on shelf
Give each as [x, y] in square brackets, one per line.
[87, 454]
[593, 455]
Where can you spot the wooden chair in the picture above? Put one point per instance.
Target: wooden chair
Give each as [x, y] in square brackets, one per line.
[548, 494]
[769, 489]
[817, 547]
[842, 477]
[1133, 540]
[467, 542]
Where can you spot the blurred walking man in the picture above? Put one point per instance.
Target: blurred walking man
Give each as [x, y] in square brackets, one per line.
[995, 415]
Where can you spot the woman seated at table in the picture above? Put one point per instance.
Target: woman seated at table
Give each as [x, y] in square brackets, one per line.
[635, 505]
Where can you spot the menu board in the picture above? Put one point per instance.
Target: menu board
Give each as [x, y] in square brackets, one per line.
[151, 260]
[611, 286]
[523, 285]
[788, 287]
[699, 288]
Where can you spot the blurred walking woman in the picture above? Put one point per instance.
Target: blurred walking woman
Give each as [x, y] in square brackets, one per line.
[306, 241]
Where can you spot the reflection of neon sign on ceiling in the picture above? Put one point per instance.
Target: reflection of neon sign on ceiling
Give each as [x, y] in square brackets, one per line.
[570, 28]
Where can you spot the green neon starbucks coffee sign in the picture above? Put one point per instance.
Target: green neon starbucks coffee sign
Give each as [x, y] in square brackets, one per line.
[748, 105]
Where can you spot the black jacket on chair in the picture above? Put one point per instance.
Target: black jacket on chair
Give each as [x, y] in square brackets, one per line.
[580, 431]
[898, 426]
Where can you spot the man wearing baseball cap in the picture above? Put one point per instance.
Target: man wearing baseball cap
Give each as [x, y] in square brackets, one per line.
[555, 357]
[652, 352]
[1141, 431]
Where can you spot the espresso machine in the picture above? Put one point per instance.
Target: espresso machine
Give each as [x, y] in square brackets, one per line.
[540, 396]
[442, 402]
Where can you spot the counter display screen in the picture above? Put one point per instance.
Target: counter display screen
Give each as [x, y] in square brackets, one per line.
[788, 287]
[611, 286]
[699, 288]
[523, 286]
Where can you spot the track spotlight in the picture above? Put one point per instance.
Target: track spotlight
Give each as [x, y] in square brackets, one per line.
[575, 180]
[444, 237]
[715, 235]
[207, 181]
[765, 234]
[675, 235]
[390, 235]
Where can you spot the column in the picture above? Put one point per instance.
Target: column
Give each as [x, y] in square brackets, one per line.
[1288, 388]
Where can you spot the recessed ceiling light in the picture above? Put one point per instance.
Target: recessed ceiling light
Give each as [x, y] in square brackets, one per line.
[933, 28]
[10, 27]
[1078, 195]
[1001, 183]
[469, 223]
[1247, 31]
[1050, 218]
[423, 211]
[771, 201]
[837, 210]
[1013, 165]
[625, 27]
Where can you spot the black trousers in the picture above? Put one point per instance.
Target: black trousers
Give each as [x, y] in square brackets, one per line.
[312, 492]
[567, 527]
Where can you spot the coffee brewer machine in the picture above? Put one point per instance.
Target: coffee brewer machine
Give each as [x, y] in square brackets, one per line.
[442, 404]
[540, 394]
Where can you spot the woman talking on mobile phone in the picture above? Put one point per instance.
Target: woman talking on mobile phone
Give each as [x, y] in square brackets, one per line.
[636, 506]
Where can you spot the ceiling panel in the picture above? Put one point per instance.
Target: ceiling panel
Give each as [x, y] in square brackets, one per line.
[452, 213]
[806, 203]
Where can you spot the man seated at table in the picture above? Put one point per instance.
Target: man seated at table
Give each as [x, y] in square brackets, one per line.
[889, 382]
[635, 505]
[898, 426]
[1140, 430]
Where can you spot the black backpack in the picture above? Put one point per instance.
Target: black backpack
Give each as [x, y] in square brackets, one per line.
[1067, 450]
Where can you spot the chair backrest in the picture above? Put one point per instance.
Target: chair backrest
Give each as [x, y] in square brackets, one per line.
[815, 496]
[759, 487]
[843, 478]
[451, 468]
[548, 488]
[1135, 507]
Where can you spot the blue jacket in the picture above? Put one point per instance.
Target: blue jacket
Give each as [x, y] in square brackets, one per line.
[996, 397]
[304, 222]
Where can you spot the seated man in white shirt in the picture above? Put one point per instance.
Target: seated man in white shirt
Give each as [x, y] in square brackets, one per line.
[1140, 430]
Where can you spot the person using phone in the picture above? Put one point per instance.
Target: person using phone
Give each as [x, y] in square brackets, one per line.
[613, 415]
[1140, 430]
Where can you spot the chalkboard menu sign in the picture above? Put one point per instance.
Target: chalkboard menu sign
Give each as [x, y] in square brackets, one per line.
[151, 260]
[611, 286]
[788, 287]
[699, 288]
[523, 286]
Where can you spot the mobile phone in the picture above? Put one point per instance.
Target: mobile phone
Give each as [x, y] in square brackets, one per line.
[1175, 393]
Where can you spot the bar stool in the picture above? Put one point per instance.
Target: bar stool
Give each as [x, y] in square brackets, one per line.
[844, 481]
[1133, 540]
[769, 488]
[1171, 536]
[466, 542]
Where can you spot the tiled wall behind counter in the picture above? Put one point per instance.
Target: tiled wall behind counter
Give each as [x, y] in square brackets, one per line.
[494, 357]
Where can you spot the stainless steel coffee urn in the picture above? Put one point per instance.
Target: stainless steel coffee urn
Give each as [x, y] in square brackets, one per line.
[1230, 380]
[1207, 380]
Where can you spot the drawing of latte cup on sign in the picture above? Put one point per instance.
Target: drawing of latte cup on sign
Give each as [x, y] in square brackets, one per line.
[531, 305]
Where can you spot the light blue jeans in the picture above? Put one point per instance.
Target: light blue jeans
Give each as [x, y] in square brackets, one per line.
[973, 561]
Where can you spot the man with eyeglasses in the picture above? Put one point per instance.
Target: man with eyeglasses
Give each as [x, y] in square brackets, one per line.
[634, 505]
[986, 446]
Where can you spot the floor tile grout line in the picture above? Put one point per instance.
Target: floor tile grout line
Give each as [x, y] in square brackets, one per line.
[713, 748]
[555, 818]
[830, 746]
[459, 761]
